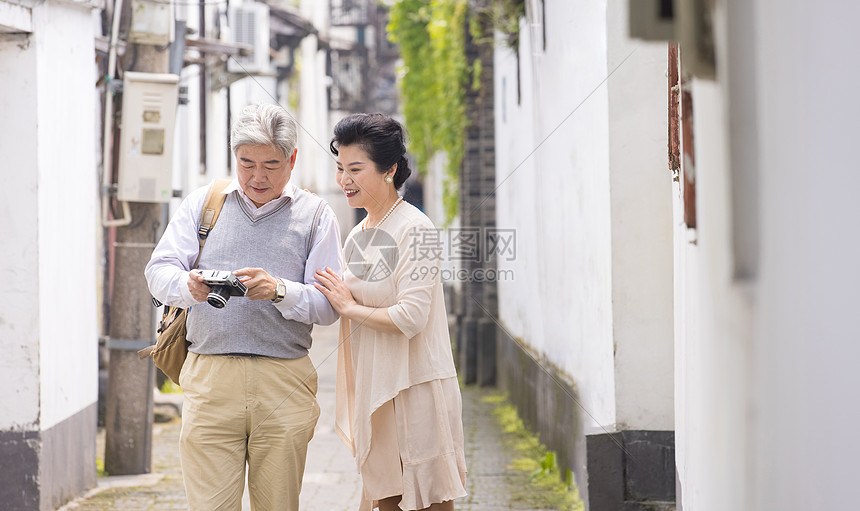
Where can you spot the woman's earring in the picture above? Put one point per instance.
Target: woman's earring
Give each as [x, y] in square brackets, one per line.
[388, 179]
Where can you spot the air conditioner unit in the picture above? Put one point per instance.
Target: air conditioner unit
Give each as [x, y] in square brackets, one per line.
[249, 25]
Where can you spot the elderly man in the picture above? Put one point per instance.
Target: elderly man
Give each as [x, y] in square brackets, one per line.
[248, 383]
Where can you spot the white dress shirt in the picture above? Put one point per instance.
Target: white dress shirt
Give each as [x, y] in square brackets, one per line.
[168, 270]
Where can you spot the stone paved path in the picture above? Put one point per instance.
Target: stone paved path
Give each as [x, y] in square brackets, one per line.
[331, 482]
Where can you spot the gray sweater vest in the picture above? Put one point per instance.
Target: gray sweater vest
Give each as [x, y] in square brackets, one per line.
[279, 242]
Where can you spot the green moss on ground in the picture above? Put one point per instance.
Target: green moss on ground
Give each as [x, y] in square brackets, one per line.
[533, 465]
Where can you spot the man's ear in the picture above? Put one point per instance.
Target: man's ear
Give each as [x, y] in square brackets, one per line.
[293, 158]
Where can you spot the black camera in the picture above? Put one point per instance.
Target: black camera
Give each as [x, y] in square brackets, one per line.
[224, 285]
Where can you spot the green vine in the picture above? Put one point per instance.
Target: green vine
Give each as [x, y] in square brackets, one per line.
[434, 77]
[435, 74]
[505, 18]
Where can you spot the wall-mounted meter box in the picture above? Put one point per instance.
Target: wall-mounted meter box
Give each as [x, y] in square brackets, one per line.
[151, 22]
[146, 146]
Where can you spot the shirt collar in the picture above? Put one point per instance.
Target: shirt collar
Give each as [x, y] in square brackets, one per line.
[289, 190]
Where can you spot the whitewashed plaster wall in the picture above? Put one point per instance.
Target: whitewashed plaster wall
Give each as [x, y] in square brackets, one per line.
[552, 173]
[48, 324]
[766, 359]
[713, 308]
[583, 178]
[807, 326]
[68, 194]
[641, 224]
[19, 224]
[710, 309]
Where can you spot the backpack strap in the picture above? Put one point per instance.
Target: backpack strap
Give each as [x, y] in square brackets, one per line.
[209, 214]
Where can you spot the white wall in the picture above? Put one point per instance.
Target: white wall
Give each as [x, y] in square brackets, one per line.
[807, 328]
[553, 188]
[713, 328]
[714, 309]
[48, 323]
[19, 227]
[583, 178]
[67, 198]
[641, 215]
[766, 368]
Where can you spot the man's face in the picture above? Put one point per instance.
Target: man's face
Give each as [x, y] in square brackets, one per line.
[263, 171]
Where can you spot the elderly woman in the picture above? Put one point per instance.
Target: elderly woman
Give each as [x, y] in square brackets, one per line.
[249, 386]
[399, 406]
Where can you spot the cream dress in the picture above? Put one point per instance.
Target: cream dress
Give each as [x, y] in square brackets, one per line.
[398, 401]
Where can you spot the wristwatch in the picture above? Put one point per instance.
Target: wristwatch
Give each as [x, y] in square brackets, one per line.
[280, 292]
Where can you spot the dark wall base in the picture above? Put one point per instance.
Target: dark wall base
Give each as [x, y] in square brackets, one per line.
[643, 479]
[69, 458]
[19, 471]
[631, 470]
[467, 351]
[43, 470]
[545, 403]
[488, 334]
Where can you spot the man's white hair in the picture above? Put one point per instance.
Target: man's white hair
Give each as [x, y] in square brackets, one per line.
[264, 124]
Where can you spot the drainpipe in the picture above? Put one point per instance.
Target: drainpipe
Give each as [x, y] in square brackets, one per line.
[107, 145]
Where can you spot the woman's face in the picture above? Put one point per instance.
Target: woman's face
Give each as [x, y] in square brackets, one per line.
[358, 177]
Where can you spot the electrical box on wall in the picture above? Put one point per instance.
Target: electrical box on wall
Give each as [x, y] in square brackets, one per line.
[146, 146]
[151, 22]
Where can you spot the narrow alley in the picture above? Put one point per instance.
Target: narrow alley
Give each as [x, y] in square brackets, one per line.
[330, 482]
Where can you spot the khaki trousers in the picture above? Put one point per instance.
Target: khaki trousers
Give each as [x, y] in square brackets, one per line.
[237, 410]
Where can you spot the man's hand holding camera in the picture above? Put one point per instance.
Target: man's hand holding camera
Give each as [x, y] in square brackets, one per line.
[261, 285]
[196, 285]
[216, 287]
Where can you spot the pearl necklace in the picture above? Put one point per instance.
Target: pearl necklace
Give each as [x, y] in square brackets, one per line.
[398, 201]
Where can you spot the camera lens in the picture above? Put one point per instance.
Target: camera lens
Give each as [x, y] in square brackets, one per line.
[218, 296]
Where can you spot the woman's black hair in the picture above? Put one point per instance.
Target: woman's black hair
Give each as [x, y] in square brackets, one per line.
[380, 136]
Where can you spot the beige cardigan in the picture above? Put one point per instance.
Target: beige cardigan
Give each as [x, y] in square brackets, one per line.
[373, 367]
